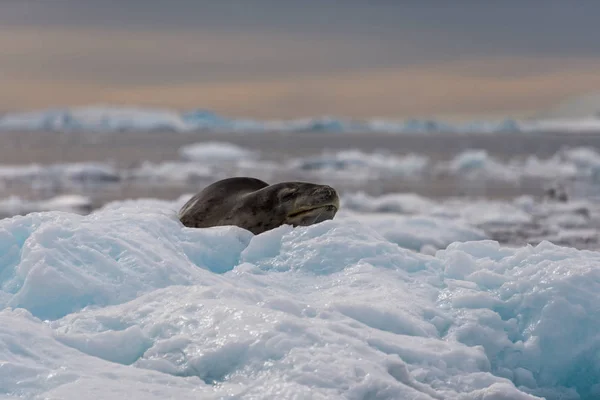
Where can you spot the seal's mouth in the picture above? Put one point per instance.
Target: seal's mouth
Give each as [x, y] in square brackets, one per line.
[305, 211]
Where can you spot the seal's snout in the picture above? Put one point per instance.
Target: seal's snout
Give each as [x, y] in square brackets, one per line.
[325, 191]
[325, 195]
[317, 203]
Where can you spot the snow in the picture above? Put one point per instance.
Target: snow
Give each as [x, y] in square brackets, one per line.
[107, 118]
[126, 302]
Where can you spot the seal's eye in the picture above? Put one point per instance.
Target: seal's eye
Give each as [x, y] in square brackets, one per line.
[287, 194]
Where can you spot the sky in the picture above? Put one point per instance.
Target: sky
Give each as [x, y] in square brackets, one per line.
[283, 59]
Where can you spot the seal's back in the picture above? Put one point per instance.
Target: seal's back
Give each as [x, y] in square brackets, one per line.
[210, 206]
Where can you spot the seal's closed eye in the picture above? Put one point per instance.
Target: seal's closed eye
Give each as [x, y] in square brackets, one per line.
[287, 194]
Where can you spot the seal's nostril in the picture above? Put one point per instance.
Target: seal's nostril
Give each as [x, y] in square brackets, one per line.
[325, 191]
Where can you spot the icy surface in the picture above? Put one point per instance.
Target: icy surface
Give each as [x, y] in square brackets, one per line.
[128, 303]
[117, 119]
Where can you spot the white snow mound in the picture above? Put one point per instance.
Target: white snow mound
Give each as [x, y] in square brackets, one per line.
[128, 303]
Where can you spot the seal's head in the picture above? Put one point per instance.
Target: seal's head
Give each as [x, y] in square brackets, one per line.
[302, 203]
[258, 207]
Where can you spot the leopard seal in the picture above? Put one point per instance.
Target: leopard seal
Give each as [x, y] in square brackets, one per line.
[256, 206]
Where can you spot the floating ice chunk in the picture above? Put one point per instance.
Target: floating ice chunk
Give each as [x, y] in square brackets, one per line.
[89, 172]
[477, 164]
[21, 173]
[483, 213]
[173, 171]
[586, 160]
[72, 203]
[136, 206]
[401, 203]
[582, 157]
[584, 124]
[15, 205]
[348, 163]
[81, 173]
[471, 212]
[552, 168]
[215, 152]
[322, 124]
[505, 126]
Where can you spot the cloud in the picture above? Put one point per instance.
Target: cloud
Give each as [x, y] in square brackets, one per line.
[269, 58]
[429, 90]
[156, 57]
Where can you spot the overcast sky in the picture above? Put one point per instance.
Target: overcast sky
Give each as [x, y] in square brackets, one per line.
[282, 58]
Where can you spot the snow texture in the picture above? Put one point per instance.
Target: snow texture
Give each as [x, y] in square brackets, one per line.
[128, 303]
[122, 119]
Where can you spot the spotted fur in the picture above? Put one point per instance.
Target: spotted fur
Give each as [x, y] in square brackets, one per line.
[257, 206]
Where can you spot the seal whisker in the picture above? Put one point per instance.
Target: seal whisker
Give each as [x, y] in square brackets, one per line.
[317, 217]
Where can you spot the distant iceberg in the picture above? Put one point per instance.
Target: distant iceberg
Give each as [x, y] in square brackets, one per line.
[127, 119]
[95, 119]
